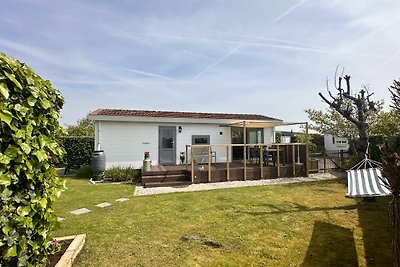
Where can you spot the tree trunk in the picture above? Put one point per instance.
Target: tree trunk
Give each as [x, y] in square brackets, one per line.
[363, 142]
[394, 214]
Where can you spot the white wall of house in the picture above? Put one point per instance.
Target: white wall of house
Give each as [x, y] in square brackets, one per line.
[269, 135]
[218, 135]
[334, 143]
[125, 142]
[285, 139]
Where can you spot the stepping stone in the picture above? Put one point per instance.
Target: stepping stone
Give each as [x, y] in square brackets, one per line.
[122, 199]
[59, 219]
[81, 211]
[103, 205]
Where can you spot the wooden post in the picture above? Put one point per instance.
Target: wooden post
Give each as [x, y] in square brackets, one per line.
[307, 161]
[324, 161]
[209, 163]
[227, 163]
[294, 160]
[261, 161]
[245, 150]
[278, 163]
[186, 157]
[192, 159]
[341, 156]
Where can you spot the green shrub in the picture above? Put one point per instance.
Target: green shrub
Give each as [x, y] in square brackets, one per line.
[374, 147]
[318, 140]
[349, 163]
[375, 142]
[29, 145]
[121, 174]
[84, 172]
[78, 149]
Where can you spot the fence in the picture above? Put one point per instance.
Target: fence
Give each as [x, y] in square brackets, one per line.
[327, 160]
[254, 162]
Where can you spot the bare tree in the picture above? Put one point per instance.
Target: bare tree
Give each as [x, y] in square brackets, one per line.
[354, 108]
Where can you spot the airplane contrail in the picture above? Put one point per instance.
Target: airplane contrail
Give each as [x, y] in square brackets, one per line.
[227, 55]
[262, 38]
[293, 7]
[261, 44]
[244, 43]
[387, 61]
[150, 74]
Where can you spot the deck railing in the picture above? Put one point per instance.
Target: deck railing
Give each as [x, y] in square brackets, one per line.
[199, 156]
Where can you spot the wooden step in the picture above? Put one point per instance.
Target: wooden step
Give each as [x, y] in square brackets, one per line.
[167, 184]
[165, 178]
[169, 172]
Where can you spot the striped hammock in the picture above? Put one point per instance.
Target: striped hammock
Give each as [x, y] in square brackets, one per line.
[366, 183]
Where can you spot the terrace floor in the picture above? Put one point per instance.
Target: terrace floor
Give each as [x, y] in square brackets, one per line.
[184, 174]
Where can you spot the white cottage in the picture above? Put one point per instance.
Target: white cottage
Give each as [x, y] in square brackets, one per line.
[335, 143]
[125, 135]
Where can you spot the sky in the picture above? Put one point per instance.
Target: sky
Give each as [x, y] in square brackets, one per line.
[250, 56]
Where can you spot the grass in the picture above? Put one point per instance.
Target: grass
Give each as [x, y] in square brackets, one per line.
[309, 224]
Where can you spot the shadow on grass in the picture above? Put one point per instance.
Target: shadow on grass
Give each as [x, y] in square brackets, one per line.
[331, 245]
[374, 222]
[373, 219]
[295, 208]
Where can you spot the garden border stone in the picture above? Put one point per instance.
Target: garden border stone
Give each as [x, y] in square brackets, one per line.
[72, 251]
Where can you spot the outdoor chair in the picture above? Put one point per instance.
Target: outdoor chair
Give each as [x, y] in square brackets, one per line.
[269, 155]
[201, 155]
[254, 154]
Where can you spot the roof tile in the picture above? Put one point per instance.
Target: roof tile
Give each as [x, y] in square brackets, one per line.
[176, 114]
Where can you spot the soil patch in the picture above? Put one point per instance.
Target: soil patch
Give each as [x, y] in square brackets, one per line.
[53, 259]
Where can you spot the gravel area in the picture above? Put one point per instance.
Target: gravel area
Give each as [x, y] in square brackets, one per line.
[141, 191]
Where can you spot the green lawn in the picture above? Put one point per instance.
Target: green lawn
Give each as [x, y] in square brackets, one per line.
[308, 224]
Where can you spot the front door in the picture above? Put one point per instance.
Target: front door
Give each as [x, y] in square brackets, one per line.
[166, 145]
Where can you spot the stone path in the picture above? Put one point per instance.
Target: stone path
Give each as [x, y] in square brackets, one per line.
[103, 205]
[122, 199]
[100, 205]
[80, 211]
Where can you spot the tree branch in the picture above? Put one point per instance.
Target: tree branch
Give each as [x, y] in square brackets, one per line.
[342, 112]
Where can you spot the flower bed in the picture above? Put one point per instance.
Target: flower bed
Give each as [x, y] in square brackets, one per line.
[70, 248]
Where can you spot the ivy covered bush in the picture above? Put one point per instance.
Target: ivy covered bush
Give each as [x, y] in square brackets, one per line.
[29, 134]
[78, 149]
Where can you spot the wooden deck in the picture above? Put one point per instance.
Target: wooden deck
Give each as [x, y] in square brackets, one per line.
[179, 175]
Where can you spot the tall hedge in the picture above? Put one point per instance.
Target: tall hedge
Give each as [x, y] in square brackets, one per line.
[78, 149]
[29, 134]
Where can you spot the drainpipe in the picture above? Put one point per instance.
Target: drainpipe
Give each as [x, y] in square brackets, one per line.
[98, 135]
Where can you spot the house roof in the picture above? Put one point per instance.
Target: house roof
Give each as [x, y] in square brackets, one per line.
[176, 114]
